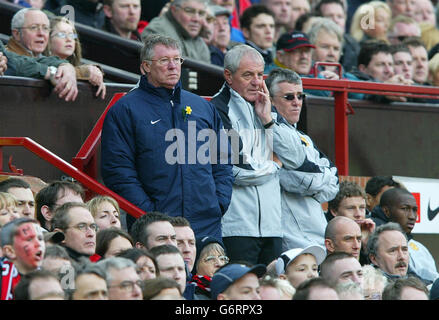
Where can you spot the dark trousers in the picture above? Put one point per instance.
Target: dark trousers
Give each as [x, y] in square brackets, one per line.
[253, 250]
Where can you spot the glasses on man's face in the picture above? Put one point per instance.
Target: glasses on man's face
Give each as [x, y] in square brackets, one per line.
[128, 286]
[192, 12]
[63, 35]
[84, 226]
[213, 259]
[166, 60]
[292, 96]
[37, 27]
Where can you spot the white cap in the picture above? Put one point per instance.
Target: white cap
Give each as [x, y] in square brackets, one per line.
[288, 256]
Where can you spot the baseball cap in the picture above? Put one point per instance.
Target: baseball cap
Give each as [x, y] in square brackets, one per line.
[293, 40]
[288, 256]
[219, 10]
[223, 278]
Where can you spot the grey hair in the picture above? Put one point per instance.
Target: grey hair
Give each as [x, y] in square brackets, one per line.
[117, 263]
[180, 2]
[372, 243]
[234, 56]
[279, 75]
[18, 19]
[346, 289]
[152, 40]
[326, 25]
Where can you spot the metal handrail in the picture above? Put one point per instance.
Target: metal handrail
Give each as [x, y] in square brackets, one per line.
[70, 170]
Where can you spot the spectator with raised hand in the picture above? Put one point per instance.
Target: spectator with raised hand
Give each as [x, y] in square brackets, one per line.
[64, 43]
[146, 265]
[183, 22]
[23, 250]
[297, 265]
[123, 282]
[54, 195]
[111, 241]
[23, 193]
[30, 35]
[252, 226]
[106, 212]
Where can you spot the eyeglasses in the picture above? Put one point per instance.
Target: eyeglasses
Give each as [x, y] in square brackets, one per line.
[213, 259]
[165, 61]
[63, 35]
[292, 96]
[193, 12]
[37, 27]
[128, 286]
[83, 227]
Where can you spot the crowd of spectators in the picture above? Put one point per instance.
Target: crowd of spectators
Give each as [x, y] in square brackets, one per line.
[247, 228]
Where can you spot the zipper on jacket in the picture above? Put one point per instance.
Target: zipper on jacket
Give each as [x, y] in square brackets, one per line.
[259, 210]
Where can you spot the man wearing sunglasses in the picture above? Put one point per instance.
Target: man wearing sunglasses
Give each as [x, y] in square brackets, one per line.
[308, 178]
[183, 21]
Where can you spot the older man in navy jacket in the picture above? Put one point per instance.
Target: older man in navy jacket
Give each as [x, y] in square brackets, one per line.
[164, 148]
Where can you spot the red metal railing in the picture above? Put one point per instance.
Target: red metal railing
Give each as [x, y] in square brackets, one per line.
[72, 171]
[86, 161]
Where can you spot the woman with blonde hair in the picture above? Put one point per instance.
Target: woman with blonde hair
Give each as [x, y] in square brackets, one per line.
[433, 70]
[64, 43]
[371, 20]
[105, 211]
[8, 208]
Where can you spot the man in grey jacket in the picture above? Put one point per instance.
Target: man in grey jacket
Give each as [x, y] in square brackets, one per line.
[183, 21]
[252, 228]
[307, 177]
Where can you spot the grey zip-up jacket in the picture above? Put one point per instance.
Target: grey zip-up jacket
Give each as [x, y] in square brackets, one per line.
[307, 178]
[255, 207]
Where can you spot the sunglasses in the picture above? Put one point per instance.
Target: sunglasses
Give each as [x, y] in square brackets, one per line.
[292, 96]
